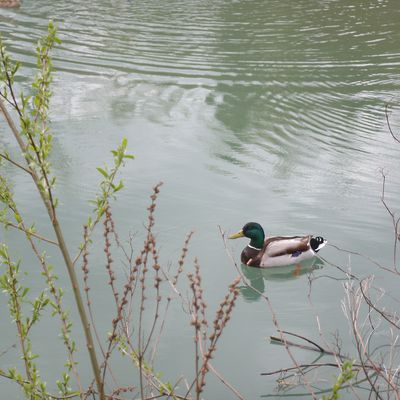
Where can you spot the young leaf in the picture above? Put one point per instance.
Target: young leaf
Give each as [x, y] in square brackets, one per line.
[103, 172]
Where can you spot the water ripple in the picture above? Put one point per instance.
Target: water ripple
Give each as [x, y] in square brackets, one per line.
[309, 69]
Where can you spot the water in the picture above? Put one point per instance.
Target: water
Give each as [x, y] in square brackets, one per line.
[264, 111]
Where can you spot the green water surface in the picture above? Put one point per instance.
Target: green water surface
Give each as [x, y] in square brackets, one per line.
[268, 111]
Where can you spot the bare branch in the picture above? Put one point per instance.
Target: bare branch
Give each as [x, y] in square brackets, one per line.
[321, 349]
[380, 312]
[388, 123]
[395, 221]
[7, 158]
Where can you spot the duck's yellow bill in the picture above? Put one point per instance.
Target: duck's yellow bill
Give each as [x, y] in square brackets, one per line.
[236, 235]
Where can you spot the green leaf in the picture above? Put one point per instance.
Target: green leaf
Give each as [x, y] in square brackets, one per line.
[119, 187]
[103, 172]
[25, 292]
[18, 218]
[3, 252]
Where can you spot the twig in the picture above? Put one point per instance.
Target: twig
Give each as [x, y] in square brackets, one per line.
[388, 123]
[50, 207]
[5, 157]
[321, 349]
[395, 221]
[225, 382]
[354, 305]
[380, 312]
[13, 346]
[40, 394]
[317, 365]
[355, 253]
[283, 370]
[173, 284]
[27, 232]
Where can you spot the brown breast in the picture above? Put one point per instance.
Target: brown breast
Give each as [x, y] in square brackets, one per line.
[249, 256]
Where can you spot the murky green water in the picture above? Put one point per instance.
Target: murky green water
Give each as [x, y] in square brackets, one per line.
[270, 111]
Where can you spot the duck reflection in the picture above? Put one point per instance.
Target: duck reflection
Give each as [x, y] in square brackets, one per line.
[256, 276]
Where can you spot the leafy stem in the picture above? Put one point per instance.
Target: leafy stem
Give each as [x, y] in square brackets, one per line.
[34, 127]
[108, 188]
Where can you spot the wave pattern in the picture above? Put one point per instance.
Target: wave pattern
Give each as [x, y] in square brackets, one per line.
[247, 109]
[267, 77]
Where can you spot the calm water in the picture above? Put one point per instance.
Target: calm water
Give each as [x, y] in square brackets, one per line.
[270, 111]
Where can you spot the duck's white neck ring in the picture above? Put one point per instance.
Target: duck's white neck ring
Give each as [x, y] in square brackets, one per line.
[252, 247]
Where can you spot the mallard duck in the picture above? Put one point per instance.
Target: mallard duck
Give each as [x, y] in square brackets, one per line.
[276, 251]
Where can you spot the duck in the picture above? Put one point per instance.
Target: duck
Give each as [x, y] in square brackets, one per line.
[276, 251]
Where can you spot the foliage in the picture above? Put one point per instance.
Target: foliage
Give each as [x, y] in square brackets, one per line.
[17, 295]
[344, 377]
[140, 295]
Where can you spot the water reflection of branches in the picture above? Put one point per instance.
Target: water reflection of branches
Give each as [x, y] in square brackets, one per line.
[374, 326]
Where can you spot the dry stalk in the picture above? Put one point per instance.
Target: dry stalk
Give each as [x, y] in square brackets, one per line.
[173, 283]
[363, 331]
[395, 223]
[206, 345]
[222, 317]
[148, 248]
[108, 228]
[138, 271]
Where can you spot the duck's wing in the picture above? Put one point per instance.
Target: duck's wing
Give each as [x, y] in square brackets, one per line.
[280, 245]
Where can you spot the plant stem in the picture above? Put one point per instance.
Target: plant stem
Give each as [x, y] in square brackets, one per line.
[18, 321]
[66, 256]
[80, 305]
[23, 229]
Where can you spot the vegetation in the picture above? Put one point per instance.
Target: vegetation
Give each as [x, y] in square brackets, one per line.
[147, 290]
[345, 376]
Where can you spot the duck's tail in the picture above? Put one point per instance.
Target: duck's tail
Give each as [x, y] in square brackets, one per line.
[317, 243]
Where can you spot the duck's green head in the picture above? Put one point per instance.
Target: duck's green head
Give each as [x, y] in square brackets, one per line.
[254, 232]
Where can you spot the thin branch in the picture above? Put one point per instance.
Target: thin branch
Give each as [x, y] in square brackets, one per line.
[9, 84]
[3, 352]
[50, 207]
[27, 232]
[225, 382]
[395, 221]
[321, 349]
[5, 157]
[354, 253]
[12, 126]
[388, 123]
[317, 365]
[283, 370]
[304, 347]
[380, 312]
[7, 100]
[49, 395]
